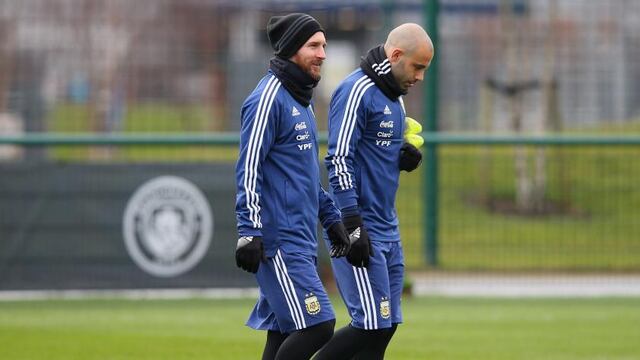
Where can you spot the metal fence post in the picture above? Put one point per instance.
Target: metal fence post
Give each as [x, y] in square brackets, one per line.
[431, 151]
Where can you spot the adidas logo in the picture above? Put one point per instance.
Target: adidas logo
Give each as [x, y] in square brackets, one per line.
[355, 235]
[295, 112]
[386, 110]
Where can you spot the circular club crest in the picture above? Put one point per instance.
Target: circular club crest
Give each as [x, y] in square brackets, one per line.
[167, 226]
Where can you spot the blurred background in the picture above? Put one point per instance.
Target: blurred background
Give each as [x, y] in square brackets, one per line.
[118, 125]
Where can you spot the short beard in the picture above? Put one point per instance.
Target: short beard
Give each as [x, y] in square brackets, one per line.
[313, 76]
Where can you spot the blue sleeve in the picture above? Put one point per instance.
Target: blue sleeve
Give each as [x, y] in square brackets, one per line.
[327, 211]
[257, 136]
[346, 125]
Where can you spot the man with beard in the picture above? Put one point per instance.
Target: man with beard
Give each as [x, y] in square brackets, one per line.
[366, 154]
[279, 196]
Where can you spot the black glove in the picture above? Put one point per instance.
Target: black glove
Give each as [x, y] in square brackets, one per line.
[339, 238]
[249, 253]
[359, 238]
[410, 157]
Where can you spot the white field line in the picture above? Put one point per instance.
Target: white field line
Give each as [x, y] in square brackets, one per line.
[138, 294]
[526, 285]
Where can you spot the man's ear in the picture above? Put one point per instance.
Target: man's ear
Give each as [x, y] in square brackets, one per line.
[396, 54]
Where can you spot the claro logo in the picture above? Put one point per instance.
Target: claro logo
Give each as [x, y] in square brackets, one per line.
[167, 226]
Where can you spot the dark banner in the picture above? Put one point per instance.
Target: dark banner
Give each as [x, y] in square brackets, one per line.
[122, 226]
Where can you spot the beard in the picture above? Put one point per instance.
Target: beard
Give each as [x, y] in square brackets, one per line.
[400, 75]
[315, 76]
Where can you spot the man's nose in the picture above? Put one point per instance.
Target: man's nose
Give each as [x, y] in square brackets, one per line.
[321, 53]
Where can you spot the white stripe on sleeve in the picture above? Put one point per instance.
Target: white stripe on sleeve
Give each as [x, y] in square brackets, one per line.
[346, 130]
[253, 150]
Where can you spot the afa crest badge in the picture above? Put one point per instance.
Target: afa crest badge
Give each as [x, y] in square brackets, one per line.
[385, 308]
[312, 304]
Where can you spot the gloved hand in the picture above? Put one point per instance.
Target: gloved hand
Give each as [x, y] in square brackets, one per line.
[410, 157]
[339, 238]
[359, 238]
[412, 130]
[249, 253]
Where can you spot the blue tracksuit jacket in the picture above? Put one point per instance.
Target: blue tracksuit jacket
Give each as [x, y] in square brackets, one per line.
[365, 136]
[279, 196]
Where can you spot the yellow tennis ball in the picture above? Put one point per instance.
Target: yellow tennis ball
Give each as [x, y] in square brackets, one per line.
[414, 139]
[411, 126]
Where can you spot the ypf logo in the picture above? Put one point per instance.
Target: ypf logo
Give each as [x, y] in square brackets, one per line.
[167, 226]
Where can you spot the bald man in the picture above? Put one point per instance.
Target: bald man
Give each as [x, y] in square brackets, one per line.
[365, 156]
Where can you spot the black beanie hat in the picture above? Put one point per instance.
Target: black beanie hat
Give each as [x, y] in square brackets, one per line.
[288, 33]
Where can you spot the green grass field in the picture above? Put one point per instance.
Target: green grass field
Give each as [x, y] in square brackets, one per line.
[435, 328]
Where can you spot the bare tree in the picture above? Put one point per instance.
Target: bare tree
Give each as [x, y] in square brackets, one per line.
[7, 52]
[530, 178]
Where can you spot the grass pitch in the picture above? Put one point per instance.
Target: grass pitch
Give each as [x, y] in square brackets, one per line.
[434, 328]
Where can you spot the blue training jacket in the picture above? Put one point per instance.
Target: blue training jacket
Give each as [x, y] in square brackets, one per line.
[279, 196]
[365, 136]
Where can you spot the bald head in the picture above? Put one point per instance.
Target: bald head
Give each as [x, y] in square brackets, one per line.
[408, 38]
[410, 51]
